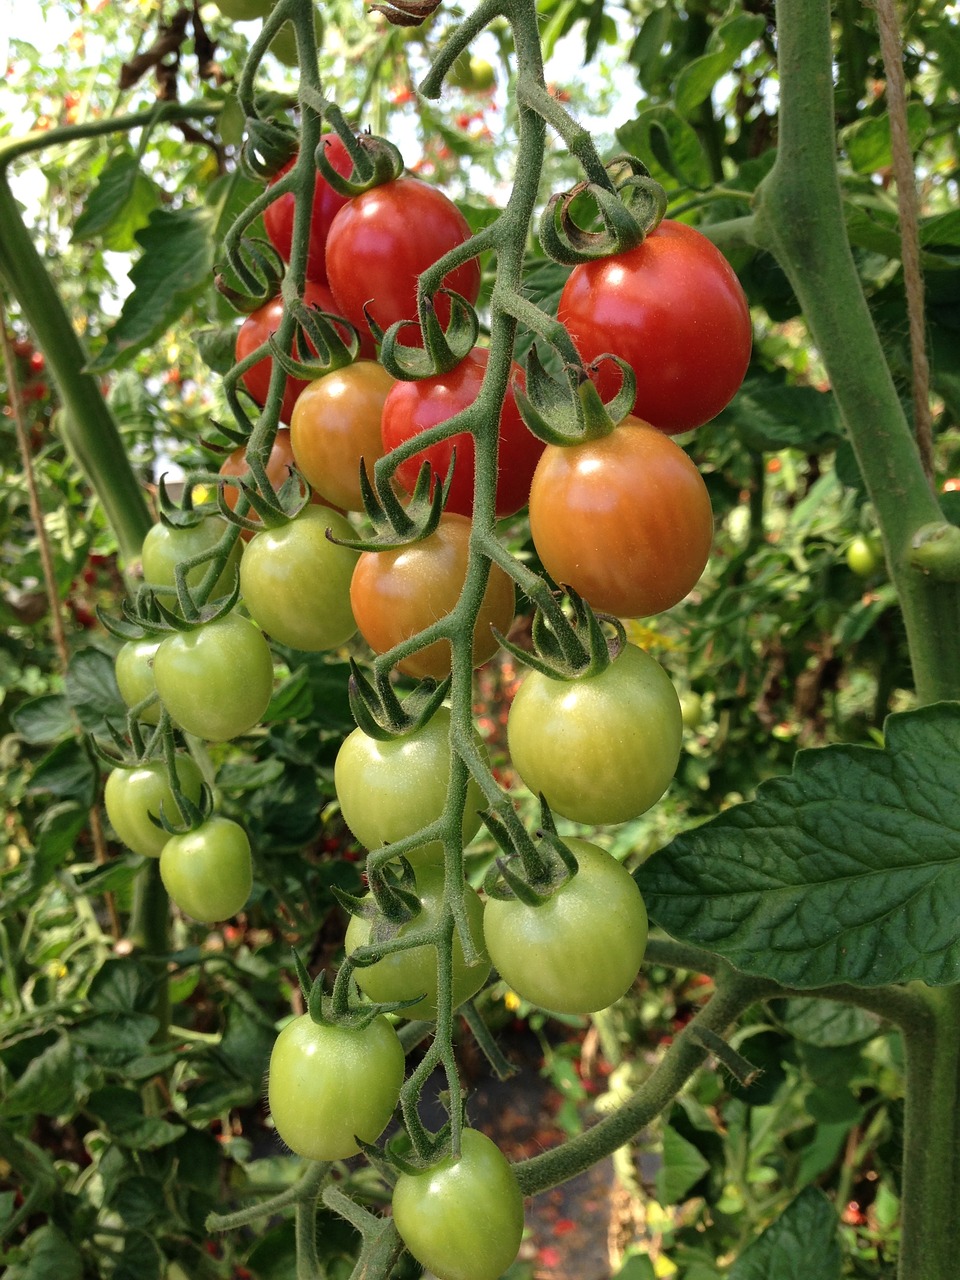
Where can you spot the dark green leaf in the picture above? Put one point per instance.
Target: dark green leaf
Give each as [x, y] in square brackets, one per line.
[56, 835]
[695, 82]
[249, 775]
[826, 1023]
[118, 206]
[51, 1256]
[846, 871]
[639, 1267]
[140, 1259]
[800, 1244]
[668, 146]
[47, 1086]
[138, 1201]
[115, 1036]
[217, 347]
[683, 1167]
[92, 689]
[769, 415]
[44, 719]
[867, 142]
[122, 986]
[120, 1111]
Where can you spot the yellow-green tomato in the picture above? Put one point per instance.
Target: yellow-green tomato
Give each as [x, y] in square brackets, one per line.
[580, 949]
[296, 582]
[134, 797]
[245, 10]
[462, 1218]
[165, 546]
[403, 975]
[215, 680]
[208, 872]
[865, 555]
[331, 1084]
[134, 671]
[602, 748]
[389, 790]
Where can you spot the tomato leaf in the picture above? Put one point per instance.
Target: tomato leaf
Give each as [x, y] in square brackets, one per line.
[848, 870]
[118, 206]
[802, 1242]
[683, 1167]
[695, 82]
[669, 145]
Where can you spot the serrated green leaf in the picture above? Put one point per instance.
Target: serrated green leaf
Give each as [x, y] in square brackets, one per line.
[683, 1167]
[50, 1256]
[175, 267]
[47, 1086]
[44, 719]
[669, 146]
[140, 1259]
[770, 415]
[119, 205]
[826, 1023]
[122, 985]
[695, 82]
[848, 870]
[867, 141]
[801, 1243]
[92, 689]
[67, 772]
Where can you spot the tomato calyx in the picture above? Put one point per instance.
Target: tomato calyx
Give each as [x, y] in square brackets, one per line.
[260, 269]
[375, 159]
[572, 411]
[274, 507]
[330, 1010]
[569, 648]
[630, 208]
[380, 714]
[441, 351]
[318, 347]
[395, 524]
[267, 147]
[539, 877]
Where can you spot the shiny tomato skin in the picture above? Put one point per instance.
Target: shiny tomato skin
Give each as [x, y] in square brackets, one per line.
[625, 520]
[674, 309]
[396, 594]
[335, 424]
[330, 1084]
[580, 950]
[462, 1218]
[296, 582]
[131, 796]
[208, 872]
[382, 240]
[166, 545]
[413, 407]
[601, 749]
[403, 975]
[279, 468]
[133, 668]
[278, 216]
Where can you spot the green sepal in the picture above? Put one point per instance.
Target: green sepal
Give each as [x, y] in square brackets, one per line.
[511, 835]
[395, 525]
[571, 412]
[630, 208]
[441, 350]
[557, 864]
[182, 514]
[267, 147]
[399, 1150]
[380, 714]
[375, 161]
[191, 815]
[569, 648]
[396, 897]
[259, 268]
[121, 628]
[318, 348]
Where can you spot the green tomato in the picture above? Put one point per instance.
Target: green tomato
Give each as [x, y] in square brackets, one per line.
[208, 872]
[283, 46]
[389, 790]
[215, 680]
[462, 1218]
[603, 748]
[134, 671]
[296, 582]
[330, 1084]
[406, 974]
[165, 546]
[865, 556]
[691, 708]
[580, 949]
[133, 797]
[245, 10]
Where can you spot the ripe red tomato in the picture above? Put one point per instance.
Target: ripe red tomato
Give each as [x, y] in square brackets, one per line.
[625, 520]
[279, 466]
[257, 328]
[673, 309]
[278, 217]
[382, 240]
[396, 594]
[335, 424]
[412, 407]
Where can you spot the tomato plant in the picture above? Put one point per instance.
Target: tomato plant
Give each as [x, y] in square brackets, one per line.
[381, 241]
[279, 468]
[134, 671]
[396, 594]
[404, 975]
[278, 216]
[166, 545]
[336, 426]
[390, 789]
[462, 1217]
[413, 407]
[135, 796]
[559, 954]
[208, 871]
[864, 556]
[296, 582]
[674, 309]
[216, 679]
[331, 1084]
[624, 519]
[602, 748]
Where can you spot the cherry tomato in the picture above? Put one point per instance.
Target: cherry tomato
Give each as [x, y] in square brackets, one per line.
[296, 582]
[331, 1084]
[390, 789]
[335, 424]
[166, 546]
[396, 594]
[462, 1218]
[133, 668]
[625, 520]
[133, 797]
[215, 680]
[413, 407]
[673, 309]
[381, 241]
[278, 216]
[865, 556]
[600, 749]
[580, 949]
[208, 872]
[406, 974]
[279, 466]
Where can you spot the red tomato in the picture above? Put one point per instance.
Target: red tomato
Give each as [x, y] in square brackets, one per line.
[395, 594]
[382, 240]
[278, 217]
[625, 520]
[412, 407]
[673, 309]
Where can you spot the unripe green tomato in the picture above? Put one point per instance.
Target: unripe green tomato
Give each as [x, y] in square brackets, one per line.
[474, 74]
[133, 668]
[131, 796]
[208, 872]
[413, 972]
[165, 546]
[864, 556]
[283, 46]
[691, 708]
[296, 582]
[245, 10]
